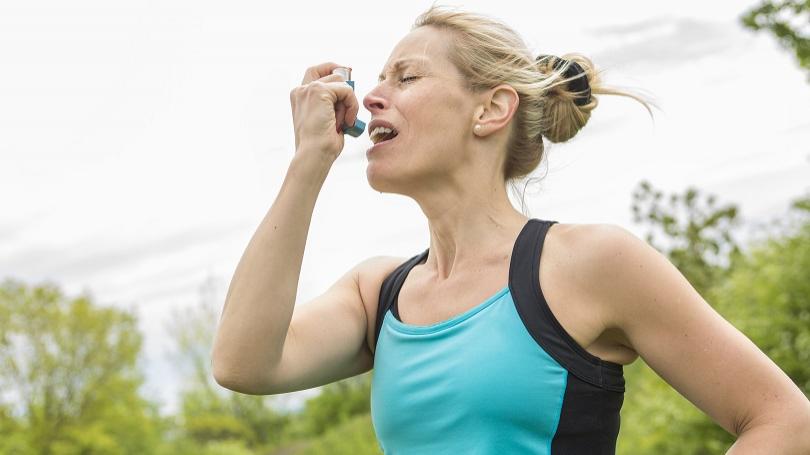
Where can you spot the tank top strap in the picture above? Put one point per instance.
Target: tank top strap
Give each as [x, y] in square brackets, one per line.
[543, 326]
[389, 290]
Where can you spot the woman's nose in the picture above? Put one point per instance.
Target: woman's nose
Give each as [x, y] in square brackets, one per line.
[373, 101]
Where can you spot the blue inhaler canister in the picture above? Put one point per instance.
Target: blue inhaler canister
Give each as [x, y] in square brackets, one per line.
[359, 125]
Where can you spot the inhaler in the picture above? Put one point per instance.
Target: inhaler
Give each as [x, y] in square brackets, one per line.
[359, 125]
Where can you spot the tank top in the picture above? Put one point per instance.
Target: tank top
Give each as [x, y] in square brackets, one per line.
[503, 377]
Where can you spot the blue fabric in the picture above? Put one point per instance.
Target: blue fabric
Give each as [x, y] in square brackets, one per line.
[477, 383]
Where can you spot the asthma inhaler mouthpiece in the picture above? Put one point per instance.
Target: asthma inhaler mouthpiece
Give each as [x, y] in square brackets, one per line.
[359, 125]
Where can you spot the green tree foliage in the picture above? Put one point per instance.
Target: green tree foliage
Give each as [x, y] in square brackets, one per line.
[336, 421]
[338, 402]
[353, 436]
[699, 235]
[69, 373]
[789, 21]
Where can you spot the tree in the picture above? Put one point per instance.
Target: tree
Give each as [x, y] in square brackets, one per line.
[69, 370]
[338, 402]
[338, 421]
[789, 21]
[700, 239]
[353, 436]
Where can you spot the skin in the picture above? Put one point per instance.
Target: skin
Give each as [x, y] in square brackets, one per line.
[453, 171]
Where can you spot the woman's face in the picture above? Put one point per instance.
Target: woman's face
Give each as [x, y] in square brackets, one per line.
[425, 99]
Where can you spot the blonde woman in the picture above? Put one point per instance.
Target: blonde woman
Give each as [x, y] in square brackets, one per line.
[508, 334]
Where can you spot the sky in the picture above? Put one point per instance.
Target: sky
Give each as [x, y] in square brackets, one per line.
[141, 143]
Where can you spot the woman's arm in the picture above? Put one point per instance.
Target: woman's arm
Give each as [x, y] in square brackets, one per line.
[692, 347]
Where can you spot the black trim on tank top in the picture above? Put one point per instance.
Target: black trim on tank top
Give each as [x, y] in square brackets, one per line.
[389, 290]
[524, 283]
[589, 419]
[422, 258]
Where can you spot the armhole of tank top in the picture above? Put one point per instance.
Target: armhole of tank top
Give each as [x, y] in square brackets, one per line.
[561, 330]
[572, 355]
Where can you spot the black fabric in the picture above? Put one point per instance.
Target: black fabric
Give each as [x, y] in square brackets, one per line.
[540, 321]
[394, 301]
[589, 420]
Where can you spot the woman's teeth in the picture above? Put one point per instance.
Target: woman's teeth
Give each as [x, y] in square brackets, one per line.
[381, 133]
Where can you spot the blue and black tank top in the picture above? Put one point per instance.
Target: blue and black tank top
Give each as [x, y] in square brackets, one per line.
[503, 377]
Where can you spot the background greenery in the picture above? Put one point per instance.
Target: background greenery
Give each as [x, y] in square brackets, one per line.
[71, 378]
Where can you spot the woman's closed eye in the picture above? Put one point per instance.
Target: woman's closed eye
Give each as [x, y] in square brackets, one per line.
[408, 78]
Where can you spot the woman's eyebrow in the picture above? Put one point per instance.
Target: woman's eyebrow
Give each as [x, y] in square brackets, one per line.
[402, 63]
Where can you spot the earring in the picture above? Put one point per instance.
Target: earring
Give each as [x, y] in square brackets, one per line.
[477, 128]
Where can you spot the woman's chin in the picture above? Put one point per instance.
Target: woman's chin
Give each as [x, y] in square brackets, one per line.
[375, 180]
[380, 179]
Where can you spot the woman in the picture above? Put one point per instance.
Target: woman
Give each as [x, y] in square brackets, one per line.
[481, 344]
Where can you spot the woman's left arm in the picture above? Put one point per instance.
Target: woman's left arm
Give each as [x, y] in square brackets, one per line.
[691, 346]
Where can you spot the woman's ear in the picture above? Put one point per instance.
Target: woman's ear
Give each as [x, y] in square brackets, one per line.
[498, 108]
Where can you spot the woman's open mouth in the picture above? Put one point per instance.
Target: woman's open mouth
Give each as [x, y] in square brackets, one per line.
[381, 136]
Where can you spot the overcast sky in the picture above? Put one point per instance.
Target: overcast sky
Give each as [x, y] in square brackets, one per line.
[141, 143]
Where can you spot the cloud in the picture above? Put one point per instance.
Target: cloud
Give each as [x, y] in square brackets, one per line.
[629, 29]
[91, 257]
[666, 41]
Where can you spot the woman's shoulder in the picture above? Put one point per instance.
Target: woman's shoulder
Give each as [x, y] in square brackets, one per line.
[593, 251]
[588, 257]
[374, 269]
[591, 238]
[370, 275]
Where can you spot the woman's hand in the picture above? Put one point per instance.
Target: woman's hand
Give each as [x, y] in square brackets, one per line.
[321, 105]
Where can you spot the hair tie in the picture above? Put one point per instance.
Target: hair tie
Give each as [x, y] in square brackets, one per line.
[580, 84]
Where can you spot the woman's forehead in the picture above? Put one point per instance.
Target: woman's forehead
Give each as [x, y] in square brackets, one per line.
[426, 48]
[425, 43]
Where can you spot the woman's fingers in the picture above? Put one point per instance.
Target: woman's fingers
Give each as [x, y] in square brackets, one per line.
[320, 108]
[345, 103]
[346, 107]
[316, 72]
[340, 105]
[351, 111]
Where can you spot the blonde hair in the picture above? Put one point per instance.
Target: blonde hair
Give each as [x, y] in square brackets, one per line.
[488, 53]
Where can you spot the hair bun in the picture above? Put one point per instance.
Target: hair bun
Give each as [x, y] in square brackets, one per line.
[576, 84]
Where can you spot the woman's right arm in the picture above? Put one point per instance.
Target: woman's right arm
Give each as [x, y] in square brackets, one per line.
[255, 320]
